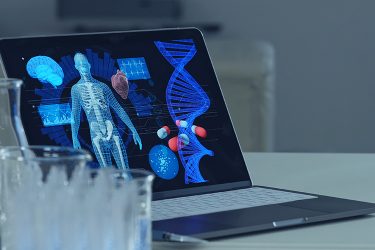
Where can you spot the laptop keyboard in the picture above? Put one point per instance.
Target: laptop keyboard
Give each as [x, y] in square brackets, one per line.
[221, 201]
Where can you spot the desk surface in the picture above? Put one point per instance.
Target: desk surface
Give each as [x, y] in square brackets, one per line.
[342, 175]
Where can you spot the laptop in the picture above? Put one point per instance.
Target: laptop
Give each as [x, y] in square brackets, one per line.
[151, 100]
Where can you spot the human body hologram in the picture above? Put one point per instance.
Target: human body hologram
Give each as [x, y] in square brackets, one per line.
[96, 99]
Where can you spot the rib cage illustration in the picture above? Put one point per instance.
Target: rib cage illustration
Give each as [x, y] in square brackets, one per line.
[186, 100]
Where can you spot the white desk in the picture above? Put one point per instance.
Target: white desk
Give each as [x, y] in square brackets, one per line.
[342, 175]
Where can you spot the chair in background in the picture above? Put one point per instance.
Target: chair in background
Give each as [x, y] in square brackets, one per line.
[246, 74]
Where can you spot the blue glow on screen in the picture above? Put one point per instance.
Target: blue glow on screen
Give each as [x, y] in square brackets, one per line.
[163, 162]
[134, 68]
[46, 70]
[55, 114]
[186, 100]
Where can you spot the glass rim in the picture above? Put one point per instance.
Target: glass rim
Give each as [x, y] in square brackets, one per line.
[10, 82]
[144, 173]
[80, 154]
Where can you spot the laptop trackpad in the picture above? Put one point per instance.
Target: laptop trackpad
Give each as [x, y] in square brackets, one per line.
[244, 220]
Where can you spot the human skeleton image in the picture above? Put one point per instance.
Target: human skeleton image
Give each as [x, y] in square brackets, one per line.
[96, 99]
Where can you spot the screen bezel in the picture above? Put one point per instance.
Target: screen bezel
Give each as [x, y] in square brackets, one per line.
[160, 34]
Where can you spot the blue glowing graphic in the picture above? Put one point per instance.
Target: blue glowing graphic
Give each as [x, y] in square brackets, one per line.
[163, 161]
[186, 100]
[103, 68]
[46, 70]
[134, 68]
[96, 99]
[55, 114]
[141, 103]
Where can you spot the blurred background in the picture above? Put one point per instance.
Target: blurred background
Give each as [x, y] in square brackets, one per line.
[297, 75]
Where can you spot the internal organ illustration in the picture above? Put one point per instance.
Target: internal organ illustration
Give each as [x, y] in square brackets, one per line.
[163, 132]
[55, 114]
[163, 162]
[46, 70]
[120, 84]
[96, 99]
[134, 68]
[186, 101]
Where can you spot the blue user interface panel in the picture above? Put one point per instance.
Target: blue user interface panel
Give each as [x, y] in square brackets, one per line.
[134, 100]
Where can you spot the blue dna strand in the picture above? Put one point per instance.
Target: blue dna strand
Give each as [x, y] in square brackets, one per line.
[186, 100]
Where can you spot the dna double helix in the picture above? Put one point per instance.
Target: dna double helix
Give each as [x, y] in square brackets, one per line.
[186, 101]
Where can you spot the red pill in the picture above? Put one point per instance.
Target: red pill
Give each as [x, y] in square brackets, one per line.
[201, 132]
[172, 143]
[175, 144]
[167, 129]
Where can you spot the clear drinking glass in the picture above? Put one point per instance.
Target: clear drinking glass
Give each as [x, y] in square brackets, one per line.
[26, 200]
[108, 210]
[51, 201]
[11, 129]
[143, 180]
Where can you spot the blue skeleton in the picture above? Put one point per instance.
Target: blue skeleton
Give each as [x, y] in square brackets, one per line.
[96, 99]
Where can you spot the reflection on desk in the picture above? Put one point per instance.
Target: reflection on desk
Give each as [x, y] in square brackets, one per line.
[343, 175]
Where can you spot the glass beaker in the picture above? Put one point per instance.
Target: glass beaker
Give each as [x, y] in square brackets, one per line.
[11, 129]
[26, 201]
[51, 201]
[143, 181]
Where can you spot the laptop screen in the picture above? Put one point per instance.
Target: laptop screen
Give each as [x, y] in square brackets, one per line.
[146, 100]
